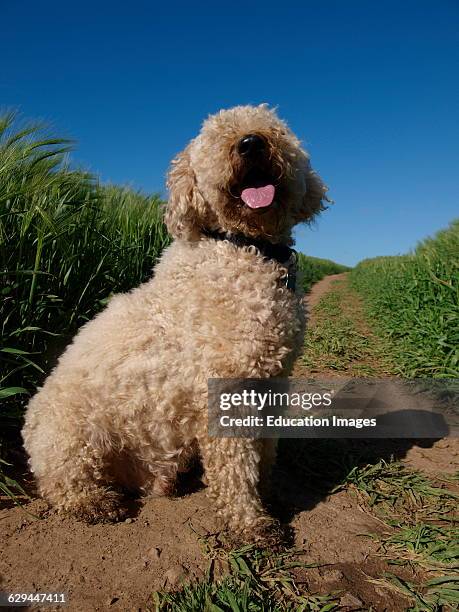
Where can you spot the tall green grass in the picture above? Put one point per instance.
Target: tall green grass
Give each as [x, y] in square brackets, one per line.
[414, 300]
[66, 244]
[313, 269]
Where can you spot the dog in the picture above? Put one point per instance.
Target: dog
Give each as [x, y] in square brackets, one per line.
[126, 405]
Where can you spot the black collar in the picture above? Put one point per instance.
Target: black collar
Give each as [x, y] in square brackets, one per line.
[281, 253]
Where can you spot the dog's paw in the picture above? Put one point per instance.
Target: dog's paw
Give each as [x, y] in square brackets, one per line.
[101, 506]
[265, 532]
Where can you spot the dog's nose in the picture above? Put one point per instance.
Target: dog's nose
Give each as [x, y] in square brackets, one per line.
[251, 144]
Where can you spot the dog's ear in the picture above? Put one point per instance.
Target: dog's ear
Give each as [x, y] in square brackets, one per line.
[186, 207]
[315, 196]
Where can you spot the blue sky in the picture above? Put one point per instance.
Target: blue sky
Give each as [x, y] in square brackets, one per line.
[371, 88]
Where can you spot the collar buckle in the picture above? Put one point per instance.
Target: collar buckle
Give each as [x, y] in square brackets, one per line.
[292, 267]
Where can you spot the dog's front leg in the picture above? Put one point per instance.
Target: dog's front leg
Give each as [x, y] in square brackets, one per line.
[232, 467]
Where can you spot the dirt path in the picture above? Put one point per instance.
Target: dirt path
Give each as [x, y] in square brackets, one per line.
[117, 567]
[321, 288]
[442, 456]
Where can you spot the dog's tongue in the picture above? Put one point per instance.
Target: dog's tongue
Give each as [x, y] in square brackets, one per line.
[258, 197]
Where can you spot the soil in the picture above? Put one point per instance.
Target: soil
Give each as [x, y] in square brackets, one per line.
[118, 566]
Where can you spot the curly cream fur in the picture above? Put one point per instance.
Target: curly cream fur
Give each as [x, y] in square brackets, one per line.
[127, 403]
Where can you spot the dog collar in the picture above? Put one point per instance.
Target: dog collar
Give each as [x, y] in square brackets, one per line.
[283, 254]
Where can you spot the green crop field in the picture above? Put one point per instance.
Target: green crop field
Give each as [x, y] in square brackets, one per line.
[413, 300]
[66, 244]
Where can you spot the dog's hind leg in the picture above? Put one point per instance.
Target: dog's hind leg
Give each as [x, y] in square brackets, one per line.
[70, 469]
[75, 484]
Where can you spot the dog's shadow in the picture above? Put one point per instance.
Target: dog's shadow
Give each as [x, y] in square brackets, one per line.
[309, 470]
